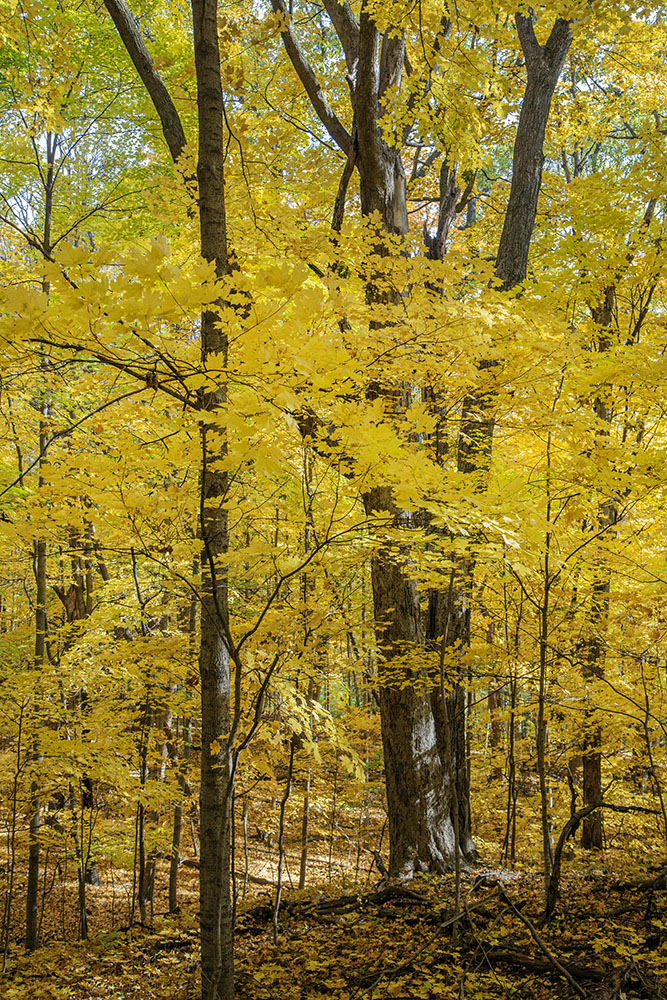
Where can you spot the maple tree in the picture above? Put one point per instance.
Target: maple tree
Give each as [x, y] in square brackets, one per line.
[333, 442]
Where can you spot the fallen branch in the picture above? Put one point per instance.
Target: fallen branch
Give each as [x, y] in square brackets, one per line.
[540, 943]
[370, 980]
[581, 972]
[255, 879]
[657, 882]
[618, 911]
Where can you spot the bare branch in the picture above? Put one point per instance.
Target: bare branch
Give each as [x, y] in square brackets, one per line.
[540, 943]
[311, 84]
[136, 47]
[347, 29]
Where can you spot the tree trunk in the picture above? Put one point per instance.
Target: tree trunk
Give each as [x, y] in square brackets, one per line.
[424, 739]
[417, 772]
[592, 831]
[544, 64]
[178, 817]
[32, 890]
[216, 913]
[417, 727]
[592, 836]
[448, 632]
[41, 624]
[305, 825]
[591, 747]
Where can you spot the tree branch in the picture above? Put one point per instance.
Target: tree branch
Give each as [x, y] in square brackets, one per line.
[136, 47]
[311, 84]
[568, 831]
[540, 943]
[543, 68]
[366, 103]
[530, 46]
[347, 29]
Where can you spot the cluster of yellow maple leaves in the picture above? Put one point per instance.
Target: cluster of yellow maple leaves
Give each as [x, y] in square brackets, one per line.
[102, 287]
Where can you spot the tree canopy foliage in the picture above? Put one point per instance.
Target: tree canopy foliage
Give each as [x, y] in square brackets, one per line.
[332, 440]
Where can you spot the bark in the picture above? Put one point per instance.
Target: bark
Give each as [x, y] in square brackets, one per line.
[32, 889]
[130, 33]
[305, 829]
[509, 838]
[543, 67]
[591, 747]
[281, 837]
[177, 828]
[309, 81]
[41, 624]
[423, 734]
[418, 772]
[448, 632]
[544, 64]
[450, 204]
[347, 29]
[382, 177]
[542, 730]
[216, 779]
[216, 912]
[189, 625]
[216, 916]
[592, 835]
[494, 706]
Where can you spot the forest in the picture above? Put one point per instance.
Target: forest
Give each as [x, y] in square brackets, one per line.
[333, 570]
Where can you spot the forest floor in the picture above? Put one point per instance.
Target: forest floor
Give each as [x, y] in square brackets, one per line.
[606, 941]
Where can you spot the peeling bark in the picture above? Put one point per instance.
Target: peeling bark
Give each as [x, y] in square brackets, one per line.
[417, 773]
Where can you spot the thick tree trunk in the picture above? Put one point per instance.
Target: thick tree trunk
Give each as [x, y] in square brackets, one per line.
[543, 65]
[424, 738]
[448, 632]
[418, 769]
[417, 773]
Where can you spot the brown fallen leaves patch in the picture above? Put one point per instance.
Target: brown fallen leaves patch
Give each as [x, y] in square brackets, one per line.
[607, 942]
